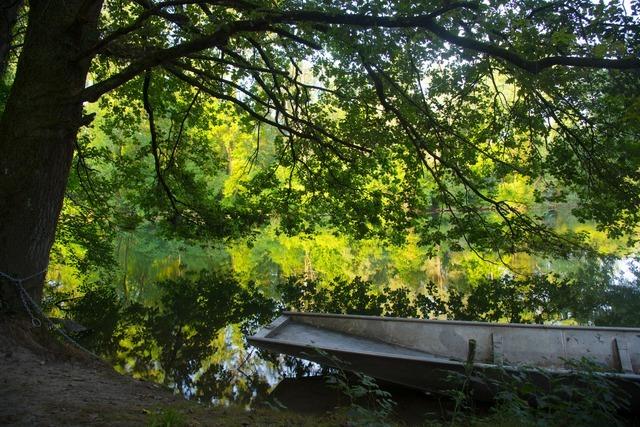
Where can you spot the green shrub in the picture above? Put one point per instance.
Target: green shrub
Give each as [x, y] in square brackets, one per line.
[167, 417]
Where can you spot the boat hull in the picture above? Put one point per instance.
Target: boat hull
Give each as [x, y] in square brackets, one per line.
[440, 356]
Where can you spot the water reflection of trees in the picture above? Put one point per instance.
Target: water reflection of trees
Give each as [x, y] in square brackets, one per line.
[192, 337]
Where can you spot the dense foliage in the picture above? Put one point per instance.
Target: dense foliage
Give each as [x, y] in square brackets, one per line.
[367, 124]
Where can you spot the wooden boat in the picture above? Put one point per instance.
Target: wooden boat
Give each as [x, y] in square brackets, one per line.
[427, 354]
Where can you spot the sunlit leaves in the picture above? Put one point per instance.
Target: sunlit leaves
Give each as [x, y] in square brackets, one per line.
[387, 135]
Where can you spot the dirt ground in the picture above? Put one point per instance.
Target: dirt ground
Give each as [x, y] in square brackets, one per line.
[46, 383]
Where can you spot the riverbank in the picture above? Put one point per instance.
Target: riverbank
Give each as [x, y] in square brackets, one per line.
[46, 383]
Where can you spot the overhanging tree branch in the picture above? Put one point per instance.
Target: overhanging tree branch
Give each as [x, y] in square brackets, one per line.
[217, 38]
[154, 142]
[429, 23]
[426, 22]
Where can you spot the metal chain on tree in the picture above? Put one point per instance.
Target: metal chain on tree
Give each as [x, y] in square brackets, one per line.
[30, 304]
[24, 295]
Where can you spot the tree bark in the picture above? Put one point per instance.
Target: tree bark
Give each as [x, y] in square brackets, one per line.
[38, 133]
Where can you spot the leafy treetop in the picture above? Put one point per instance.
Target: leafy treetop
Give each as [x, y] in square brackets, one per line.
[388, 115]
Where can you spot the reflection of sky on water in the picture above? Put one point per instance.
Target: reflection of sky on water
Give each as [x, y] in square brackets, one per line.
[242, 369]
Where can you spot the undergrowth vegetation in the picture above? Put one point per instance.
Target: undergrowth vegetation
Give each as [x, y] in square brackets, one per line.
[585, 395]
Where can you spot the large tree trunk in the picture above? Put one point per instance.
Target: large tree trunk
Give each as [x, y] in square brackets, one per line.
[37, 136]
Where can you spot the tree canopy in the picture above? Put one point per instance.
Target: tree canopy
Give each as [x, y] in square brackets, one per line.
[383, 116]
